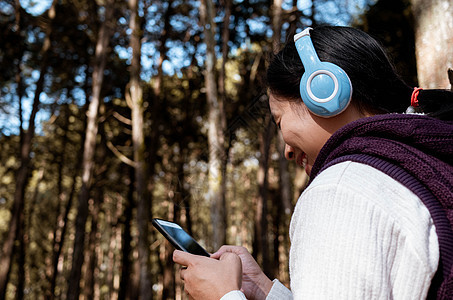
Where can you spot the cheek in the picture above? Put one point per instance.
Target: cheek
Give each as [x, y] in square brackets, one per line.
[315, 140]
[293, 137]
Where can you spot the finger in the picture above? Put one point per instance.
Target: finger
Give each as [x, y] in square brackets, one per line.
[184, 258]
[228, 248]
[231, 259]
[223, 249]
[228, 256]
[182, 273]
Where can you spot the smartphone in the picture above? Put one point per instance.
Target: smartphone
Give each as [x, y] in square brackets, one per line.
[178, 237]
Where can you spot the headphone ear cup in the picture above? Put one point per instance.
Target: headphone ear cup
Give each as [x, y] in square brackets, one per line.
[327, 90]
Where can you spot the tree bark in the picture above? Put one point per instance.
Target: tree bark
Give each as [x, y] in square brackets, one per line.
[18, 77]
[215, 130]
[138, 139]
[89, 151]
[433, 42]
[294, 18]
[276, 24]
[24, 233]
[23, 173]
[62, 219]
[163, 50]
[284, 177]
[91, 254]
[127, 238]
[261, 249]
[94, 253]
[223, 121]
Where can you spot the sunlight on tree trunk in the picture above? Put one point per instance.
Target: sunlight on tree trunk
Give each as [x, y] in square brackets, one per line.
[89, 152]
[433, 42]
[215, 130]
[138, 139]
[261, 250]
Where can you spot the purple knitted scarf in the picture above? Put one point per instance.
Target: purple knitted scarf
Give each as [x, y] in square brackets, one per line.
[415, 150]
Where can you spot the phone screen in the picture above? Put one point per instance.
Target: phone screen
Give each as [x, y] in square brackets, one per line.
[178, 237]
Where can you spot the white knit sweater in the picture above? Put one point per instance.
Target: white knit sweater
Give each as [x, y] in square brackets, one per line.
[356, 233]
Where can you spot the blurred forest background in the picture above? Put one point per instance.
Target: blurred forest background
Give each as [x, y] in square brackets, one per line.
[115, 112]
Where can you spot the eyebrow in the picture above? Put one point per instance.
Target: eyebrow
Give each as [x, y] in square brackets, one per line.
[272, 115]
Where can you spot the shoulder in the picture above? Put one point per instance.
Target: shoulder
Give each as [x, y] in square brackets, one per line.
[354, 191]
[364, 182]
[354, 219]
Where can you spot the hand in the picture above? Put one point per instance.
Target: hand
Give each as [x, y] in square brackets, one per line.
[207, 278]
[255, 284]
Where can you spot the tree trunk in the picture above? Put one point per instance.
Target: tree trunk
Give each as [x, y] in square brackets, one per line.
[91, 254]
[294, 19]
[215, 130]
[89, 151]
[94, 253]
[276, 24]
[433, 42]
[261, 223]
[21, 259]
[278, 217]
[62, 219]
[162, 50]
[25, 166]
[127, 238]
[138, 139]
[284, 177]
[223, 122]
[18, 76]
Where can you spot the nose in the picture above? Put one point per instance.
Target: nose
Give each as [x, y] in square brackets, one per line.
[289, 152]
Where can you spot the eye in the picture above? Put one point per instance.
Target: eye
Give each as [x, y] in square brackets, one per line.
[275, 122]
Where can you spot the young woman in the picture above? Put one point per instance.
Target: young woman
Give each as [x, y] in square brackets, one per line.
[372, 224]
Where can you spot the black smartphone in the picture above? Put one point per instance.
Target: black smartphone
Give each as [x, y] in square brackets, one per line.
[178, 237]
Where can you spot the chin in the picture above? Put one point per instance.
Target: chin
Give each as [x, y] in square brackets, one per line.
[308, 169]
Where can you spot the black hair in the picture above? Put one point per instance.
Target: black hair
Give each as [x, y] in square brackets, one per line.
[377, 88]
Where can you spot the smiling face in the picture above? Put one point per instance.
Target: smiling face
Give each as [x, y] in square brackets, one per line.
[304, 138]
[303, 132]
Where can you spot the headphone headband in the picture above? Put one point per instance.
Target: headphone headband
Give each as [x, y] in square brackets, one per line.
[324, 87]
[310, 58]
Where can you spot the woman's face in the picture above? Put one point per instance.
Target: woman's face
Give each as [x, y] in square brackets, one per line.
[303, 132]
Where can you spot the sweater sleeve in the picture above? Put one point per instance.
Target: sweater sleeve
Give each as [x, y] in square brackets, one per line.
[358, 234]
[277, 292]
[234, 295]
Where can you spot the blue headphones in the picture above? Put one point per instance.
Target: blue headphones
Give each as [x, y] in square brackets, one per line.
[325, 88]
